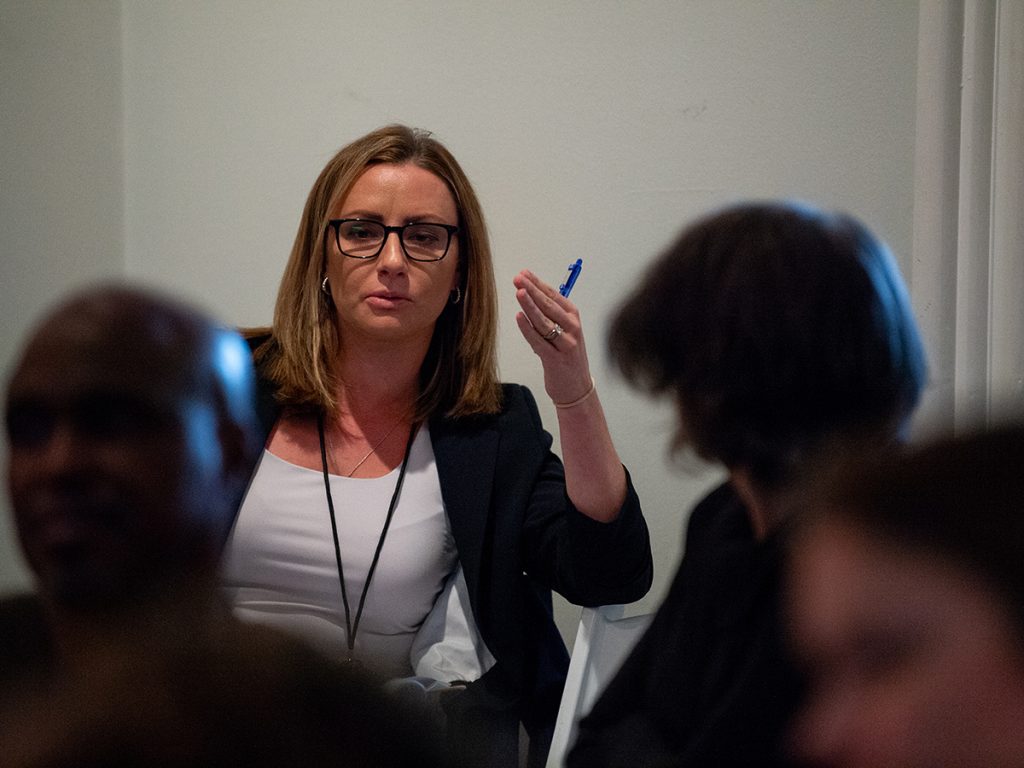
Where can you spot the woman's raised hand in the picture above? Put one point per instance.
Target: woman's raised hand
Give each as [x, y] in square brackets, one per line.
[550, 323]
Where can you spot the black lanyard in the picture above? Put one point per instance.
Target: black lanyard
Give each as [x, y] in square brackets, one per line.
[350, 627]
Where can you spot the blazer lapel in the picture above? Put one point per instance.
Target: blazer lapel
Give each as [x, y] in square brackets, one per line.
[466, 459]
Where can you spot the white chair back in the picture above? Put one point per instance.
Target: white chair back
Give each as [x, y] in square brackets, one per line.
[604, 637]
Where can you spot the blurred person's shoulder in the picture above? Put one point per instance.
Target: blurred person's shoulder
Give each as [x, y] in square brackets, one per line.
[322, 707]
[718, 519]
[26, 643]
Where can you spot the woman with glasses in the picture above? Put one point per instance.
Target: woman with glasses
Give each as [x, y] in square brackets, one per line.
[408, 513]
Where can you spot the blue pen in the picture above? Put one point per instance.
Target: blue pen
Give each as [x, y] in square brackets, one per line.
[570, 279]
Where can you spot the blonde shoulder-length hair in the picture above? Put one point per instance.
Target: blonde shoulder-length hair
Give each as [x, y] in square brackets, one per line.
[459, 376]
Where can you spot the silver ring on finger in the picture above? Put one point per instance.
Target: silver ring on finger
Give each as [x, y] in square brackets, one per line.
[554, 333]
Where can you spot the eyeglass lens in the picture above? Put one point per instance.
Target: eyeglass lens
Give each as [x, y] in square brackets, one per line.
[364, 239]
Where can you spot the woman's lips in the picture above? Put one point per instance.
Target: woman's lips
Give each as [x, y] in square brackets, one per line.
[385, 300]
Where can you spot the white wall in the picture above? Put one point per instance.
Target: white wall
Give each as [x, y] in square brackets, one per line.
[590, 129]
[61, 172]
[968, 243]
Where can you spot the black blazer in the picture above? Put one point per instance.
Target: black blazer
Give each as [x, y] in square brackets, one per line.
[710, 683]
[518, 537]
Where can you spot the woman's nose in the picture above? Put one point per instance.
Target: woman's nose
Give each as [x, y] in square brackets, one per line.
[392, 256]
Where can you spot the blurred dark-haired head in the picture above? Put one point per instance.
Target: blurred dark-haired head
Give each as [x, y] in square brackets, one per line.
[777, 329]
[960, 499]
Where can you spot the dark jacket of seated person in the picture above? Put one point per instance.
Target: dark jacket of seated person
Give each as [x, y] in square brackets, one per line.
[710, 682]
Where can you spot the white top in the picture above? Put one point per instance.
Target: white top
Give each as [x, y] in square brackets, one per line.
[280, 567]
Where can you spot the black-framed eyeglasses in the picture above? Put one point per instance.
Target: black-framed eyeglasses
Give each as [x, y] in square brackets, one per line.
[364, 239]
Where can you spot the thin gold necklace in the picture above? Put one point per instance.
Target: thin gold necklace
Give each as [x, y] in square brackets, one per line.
[369, 453]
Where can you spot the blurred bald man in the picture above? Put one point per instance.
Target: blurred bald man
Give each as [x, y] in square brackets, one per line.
[132, 433]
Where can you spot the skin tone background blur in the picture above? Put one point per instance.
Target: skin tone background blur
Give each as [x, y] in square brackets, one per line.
[918, 660]
[174, 142]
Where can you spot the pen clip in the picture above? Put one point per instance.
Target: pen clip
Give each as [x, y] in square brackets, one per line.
[570, 279]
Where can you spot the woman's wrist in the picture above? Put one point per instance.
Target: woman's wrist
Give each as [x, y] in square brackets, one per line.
[580, 399]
